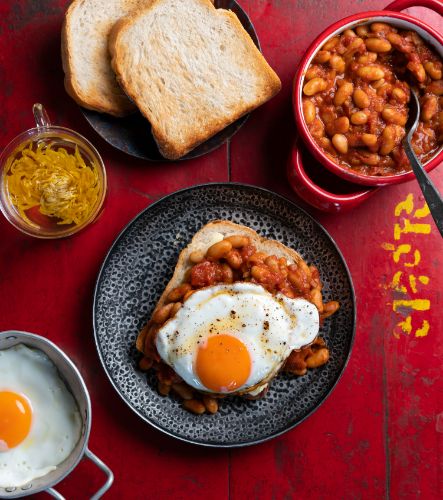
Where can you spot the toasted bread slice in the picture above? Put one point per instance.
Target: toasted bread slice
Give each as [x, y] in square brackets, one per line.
[191, 69]
[89, 78]
[204, 238]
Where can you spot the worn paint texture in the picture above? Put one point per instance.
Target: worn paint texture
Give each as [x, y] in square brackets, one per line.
[380, 434]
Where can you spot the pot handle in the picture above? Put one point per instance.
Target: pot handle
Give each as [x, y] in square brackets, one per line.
[110, 478]
[398, 5]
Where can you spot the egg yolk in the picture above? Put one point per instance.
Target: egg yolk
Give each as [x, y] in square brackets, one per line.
[15, 419]
[223, 363]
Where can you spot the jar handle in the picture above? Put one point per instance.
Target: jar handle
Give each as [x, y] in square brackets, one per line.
[399, 5]
[40, 116]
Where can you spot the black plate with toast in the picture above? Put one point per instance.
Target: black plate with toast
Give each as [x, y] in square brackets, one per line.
[132, 134]
[141, 262]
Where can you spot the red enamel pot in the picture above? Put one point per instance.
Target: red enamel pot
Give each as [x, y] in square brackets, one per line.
[390, 15]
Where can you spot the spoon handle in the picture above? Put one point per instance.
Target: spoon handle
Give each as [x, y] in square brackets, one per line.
[432, 196]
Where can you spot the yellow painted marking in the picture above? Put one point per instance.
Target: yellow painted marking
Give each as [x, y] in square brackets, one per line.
[410, 228]
[417, 259]
[401, 249]
[413, 283]
[407, 205]
[424, 330]
[405, 325]
[416, 304]
[396, 282]
[404, 248]
[398, 287]
[422, 212]
[405, 226]
[388, 246]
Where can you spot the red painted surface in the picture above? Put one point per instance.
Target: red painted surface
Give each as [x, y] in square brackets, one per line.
[380, 432]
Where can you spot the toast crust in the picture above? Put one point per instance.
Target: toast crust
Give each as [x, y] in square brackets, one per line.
[210, 233]
[193, 134]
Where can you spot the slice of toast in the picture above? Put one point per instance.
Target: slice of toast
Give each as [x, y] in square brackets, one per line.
[191, 69]
[89, 78]
[209, 234]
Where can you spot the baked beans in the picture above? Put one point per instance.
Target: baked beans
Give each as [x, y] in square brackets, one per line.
[210, 404]
[313, 356]
[356, 94]
[194, 406]
[236, 259]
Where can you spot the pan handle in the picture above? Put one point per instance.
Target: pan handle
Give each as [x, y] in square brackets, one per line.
[55, 494]
[110, 478]
[101, 465]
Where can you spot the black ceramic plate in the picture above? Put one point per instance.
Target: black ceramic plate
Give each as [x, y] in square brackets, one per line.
[132, 134]
[141, 262]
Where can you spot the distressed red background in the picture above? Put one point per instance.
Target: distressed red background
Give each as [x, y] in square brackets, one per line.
[379, 435]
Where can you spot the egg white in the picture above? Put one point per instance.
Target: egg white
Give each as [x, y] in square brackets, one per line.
[56, 422]
[270, 327]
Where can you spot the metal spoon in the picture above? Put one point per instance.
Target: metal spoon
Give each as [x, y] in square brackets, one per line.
[432, 196]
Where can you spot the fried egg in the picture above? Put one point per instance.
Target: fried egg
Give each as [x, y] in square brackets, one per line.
[234, 338]
[40, 423]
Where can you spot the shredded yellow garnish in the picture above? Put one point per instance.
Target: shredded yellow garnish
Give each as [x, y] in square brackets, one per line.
[60, 183]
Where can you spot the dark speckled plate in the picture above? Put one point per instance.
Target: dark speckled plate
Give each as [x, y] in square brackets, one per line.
[141, 262]
[132, 134]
